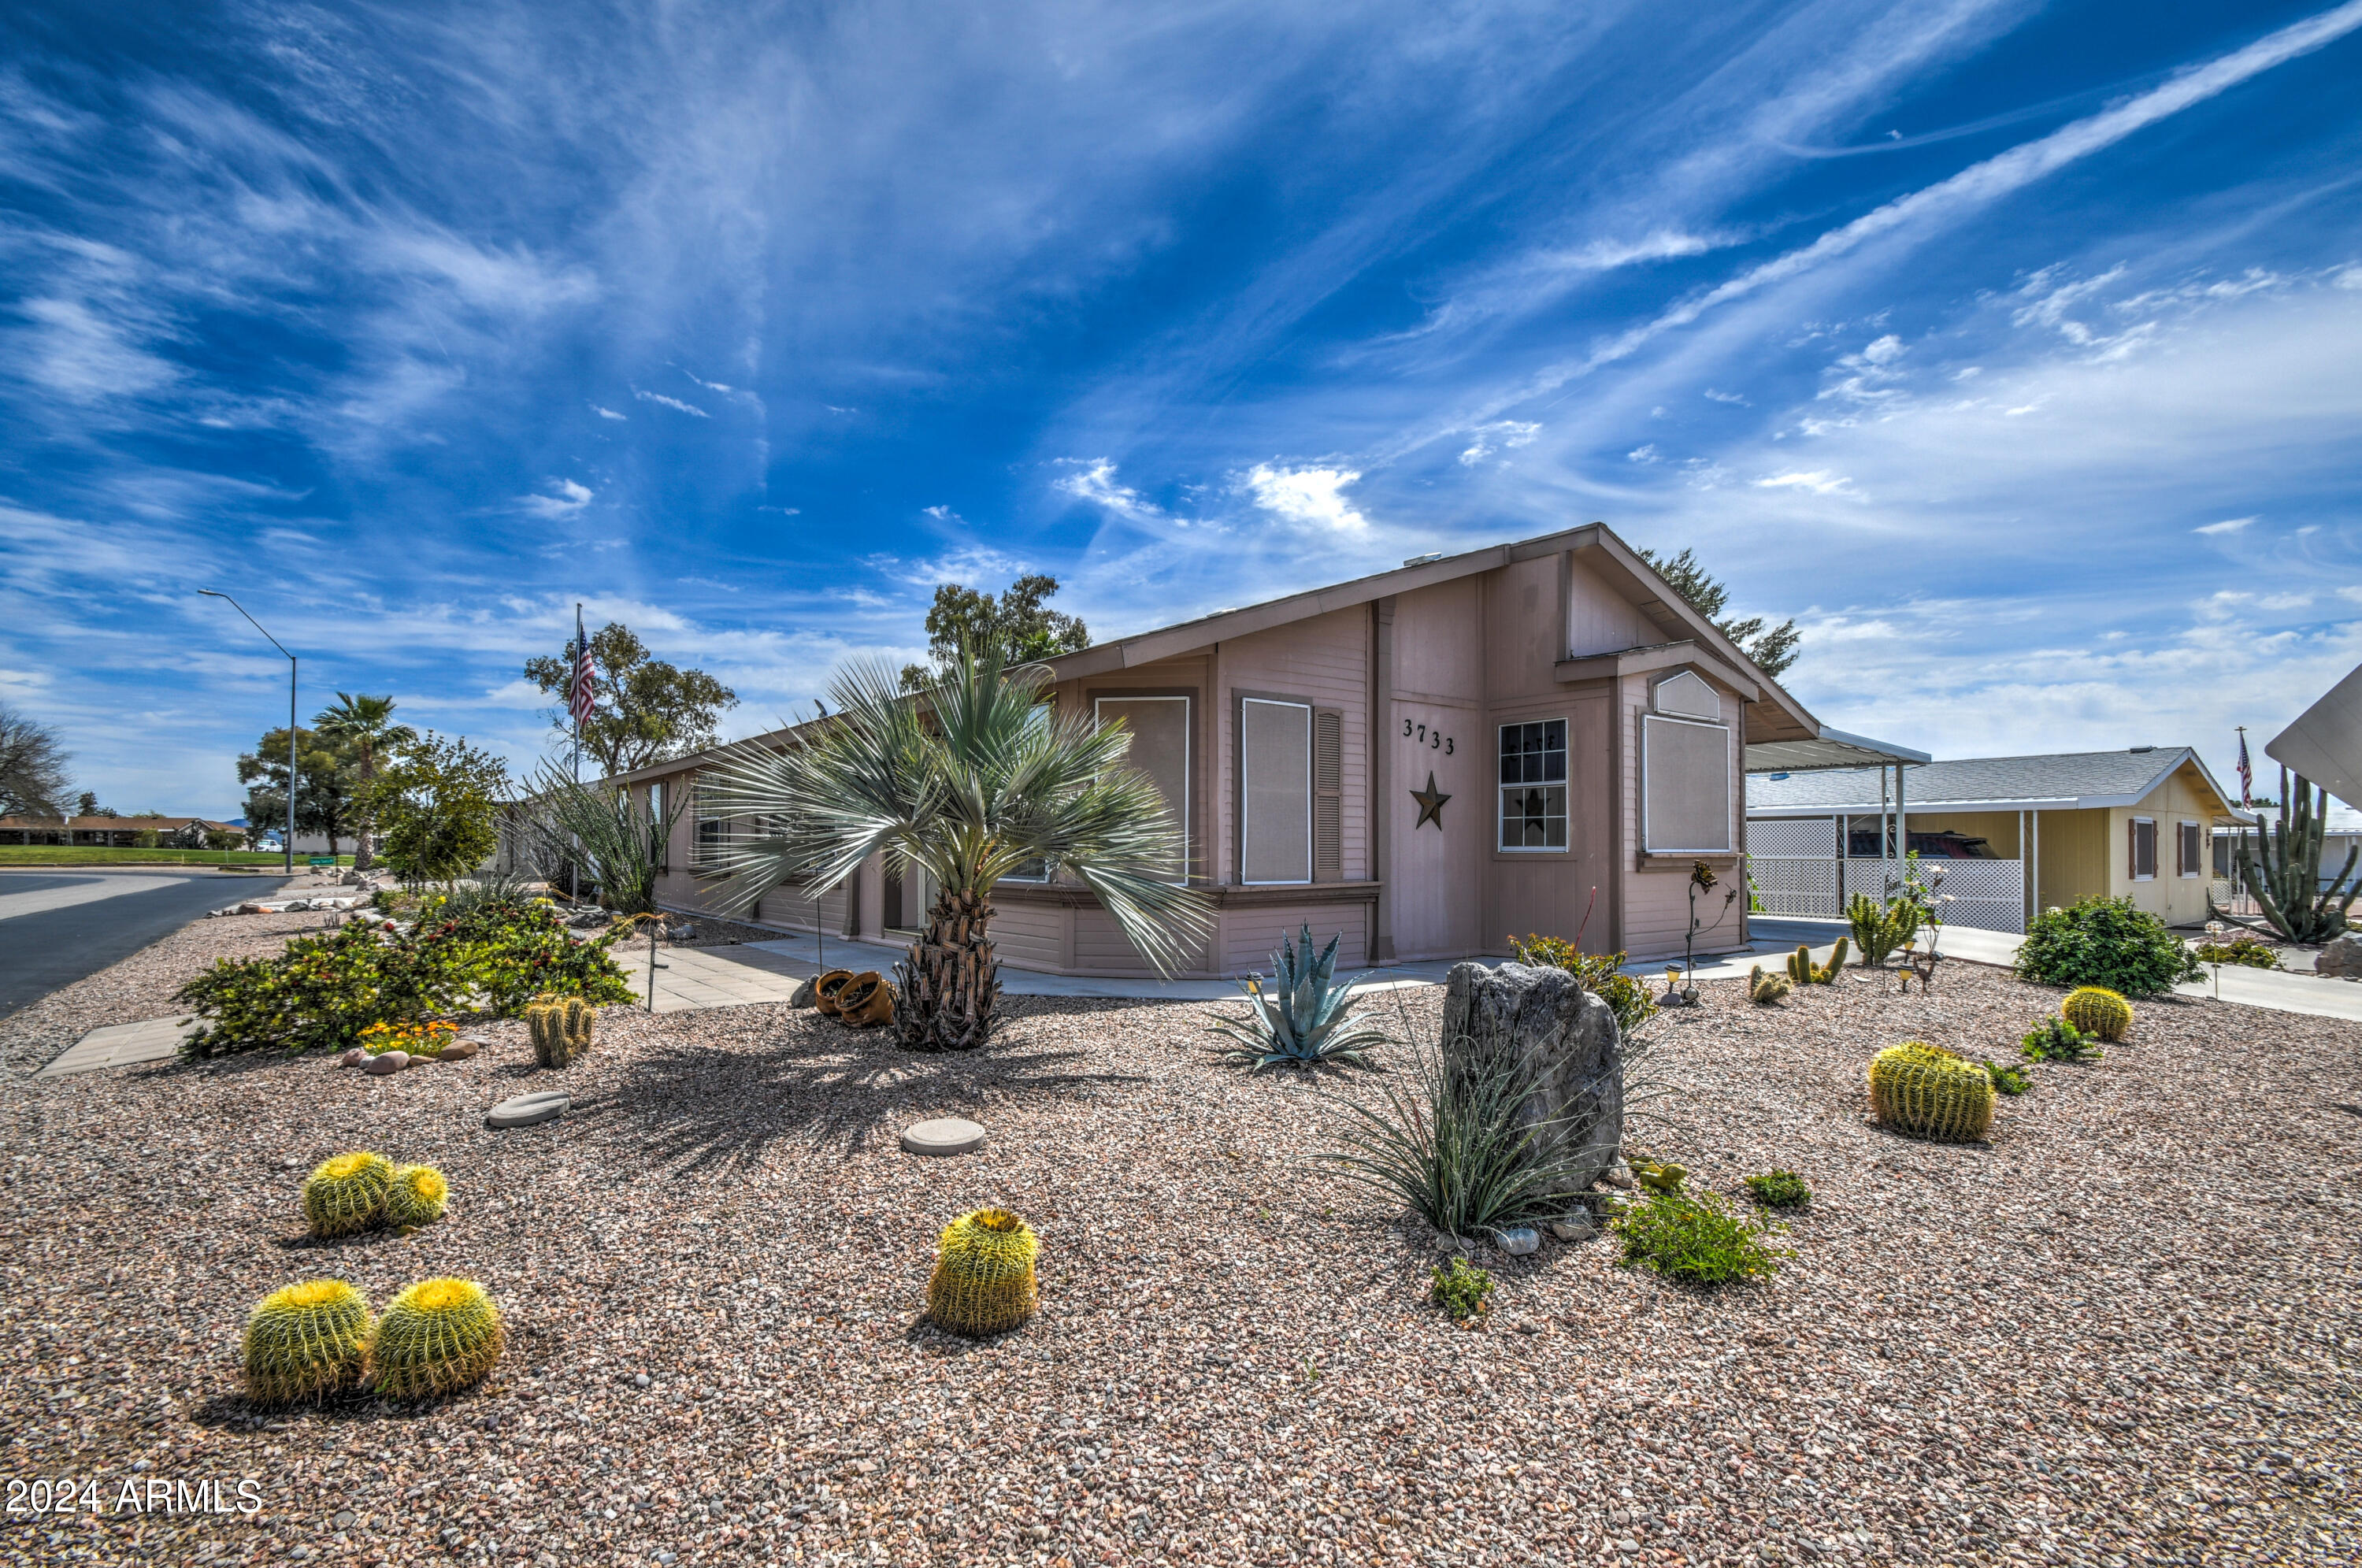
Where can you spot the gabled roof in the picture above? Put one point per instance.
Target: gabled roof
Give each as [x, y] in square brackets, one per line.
[1772, 713]
[2068, 780]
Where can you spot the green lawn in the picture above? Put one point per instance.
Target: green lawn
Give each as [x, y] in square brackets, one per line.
[91, 855]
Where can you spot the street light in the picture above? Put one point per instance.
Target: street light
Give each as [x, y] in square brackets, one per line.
[274, 642]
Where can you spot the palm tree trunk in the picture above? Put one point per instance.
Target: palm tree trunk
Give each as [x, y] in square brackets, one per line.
[950, 982]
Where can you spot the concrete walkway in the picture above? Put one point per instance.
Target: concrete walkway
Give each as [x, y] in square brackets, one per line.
[2295, 990]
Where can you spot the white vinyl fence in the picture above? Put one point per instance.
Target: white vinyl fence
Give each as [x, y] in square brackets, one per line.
[1794, 862]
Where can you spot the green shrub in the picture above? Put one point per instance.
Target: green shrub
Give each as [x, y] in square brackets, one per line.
[325, 991]
[2105, 941]
[1696, 1238]
[1599, 973]
[2008, 1080]
[2056, 1039]
[1780, 1190]
[1461, 1291]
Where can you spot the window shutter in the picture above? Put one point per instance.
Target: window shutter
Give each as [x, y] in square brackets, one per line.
[2132, 849]
[1327, 795]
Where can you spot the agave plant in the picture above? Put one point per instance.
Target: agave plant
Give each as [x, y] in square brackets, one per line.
[612, 833]
[1305, 1019]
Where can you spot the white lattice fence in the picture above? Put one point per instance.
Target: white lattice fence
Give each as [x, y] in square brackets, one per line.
[1989, 895]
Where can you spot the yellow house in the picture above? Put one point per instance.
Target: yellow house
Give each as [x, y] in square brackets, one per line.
[2137, 824]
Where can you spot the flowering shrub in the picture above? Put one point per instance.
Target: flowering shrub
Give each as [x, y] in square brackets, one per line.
[328, 992]
[410, 1039]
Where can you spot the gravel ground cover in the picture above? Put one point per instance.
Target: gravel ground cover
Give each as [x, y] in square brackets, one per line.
[2123, 1331]
[141, 986]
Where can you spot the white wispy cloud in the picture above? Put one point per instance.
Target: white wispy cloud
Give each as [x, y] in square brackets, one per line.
[1311, 496]
[1502, 435]
[2228, 525]
[672, 402]
[1820, 481]
[608, 412]
[568, 499]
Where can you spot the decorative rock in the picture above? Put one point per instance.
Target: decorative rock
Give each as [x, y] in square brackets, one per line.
[353, 1058]
[1579, 1228]
[802, 996]
[1519, 1240]
[1568, 1037]
[460, 1049]
[2341, 958]
[527, 1109]
[949, 1135]
[386, 1061]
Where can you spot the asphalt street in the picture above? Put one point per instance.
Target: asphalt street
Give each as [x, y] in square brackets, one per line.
[57, 926]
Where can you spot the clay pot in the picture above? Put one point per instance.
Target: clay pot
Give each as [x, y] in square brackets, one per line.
[826, 988]
[867, 999]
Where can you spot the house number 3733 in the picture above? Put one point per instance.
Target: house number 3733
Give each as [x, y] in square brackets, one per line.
[1433, 739]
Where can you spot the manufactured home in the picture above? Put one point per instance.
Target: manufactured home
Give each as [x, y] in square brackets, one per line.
[1539, 736]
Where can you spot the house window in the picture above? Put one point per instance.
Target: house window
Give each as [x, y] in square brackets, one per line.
[2187, 860]
[1533, 785]
[2144, 847]
[1685, 790]
[1160, 748]
[711, 833]
[657, 846]
[1040, 868]
[1274, 790]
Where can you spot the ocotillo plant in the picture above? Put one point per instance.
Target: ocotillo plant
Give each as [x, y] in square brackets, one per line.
[2281, 866]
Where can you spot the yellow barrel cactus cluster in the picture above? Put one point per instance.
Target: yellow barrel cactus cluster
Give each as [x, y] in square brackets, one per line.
[308, 1342]
[2095, 1010]
[1928, 1092]
[360, 1191]
[305, 1342]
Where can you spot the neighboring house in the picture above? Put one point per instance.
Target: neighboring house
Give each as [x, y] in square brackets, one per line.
[1538, 736]
[2137, 824]
[116, 832]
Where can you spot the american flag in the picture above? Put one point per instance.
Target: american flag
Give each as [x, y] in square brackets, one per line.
[586, 683]
[2246, 769]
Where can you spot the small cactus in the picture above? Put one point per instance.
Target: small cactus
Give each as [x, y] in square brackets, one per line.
[1928, 1092]
[1765, 988]
[305, 1342]
[984, 1281]
[2095, 1010]
[347, 1194]
[561, 1028]
[437, 1337]
[417, 1196]
[1804, 971]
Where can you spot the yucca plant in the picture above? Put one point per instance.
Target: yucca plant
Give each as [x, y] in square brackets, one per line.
[1446, 1138]
[972, 777]
[1305, 1019]
[610, 831]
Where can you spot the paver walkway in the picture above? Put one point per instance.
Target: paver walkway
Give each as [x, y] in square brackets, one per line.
[120, 1045]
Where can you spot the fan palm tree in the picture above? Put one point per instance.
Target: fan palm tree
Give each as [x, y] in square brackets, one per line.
[365, 724]
[969, 779]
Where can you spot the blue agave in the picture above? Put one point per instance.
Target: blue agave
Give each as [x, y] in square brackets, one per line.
[1305, 1019]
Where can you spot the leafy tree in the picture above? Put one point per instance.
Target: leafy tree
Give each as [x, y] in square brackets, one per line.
[647, 710]
[32, 768]
[325, 801]
[437, 806]
[1016, 625]
[86, 805]
[1771, 651]
[364, 725]
[970, 780]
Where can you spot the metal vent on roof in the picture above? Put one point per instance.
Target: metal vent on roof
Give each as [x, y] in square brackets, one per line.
[2139, 749]
[1422, 560]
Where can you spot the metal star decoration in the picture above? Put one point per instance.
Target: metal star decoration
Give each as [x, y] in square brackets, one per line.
[1431, 804]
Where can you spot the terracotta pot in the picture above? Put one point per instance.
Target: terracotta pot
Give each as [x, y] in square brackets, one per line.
[825, 989]
[867, 999]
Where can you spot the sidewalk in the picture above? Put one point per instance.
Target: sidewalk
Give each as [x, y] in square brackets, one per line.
[2275, 990]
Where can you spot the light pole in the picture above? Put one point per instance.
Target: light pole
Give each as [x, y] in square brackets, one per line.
[274, 642]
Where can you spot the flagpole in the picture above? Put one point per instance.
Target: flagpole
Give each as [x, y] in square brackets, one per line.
[574, 701]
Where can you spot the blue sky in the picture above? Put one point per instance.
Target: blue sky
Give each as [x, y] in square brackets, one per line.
[2011, 348]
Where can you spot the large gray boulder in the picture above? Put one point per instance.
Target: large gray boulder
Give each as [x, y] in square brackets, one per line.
[1566, 1039]
[2341, 956]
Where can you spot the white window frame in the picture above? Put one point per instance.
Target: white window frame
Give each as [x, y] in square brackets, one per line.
[1733, 792]
[1245, 794]
[2204, 846]
[1566, 784]
[2134, 855]
[1188, 759]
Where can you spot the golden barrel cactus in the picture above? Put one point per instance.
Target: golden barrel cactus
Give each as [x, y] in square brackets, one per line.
[1927, 1092]
[2095, 1010]
[347, 1194]
[305, 1342]
[984, 1280]
[417, 1196]
[437, 1337]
